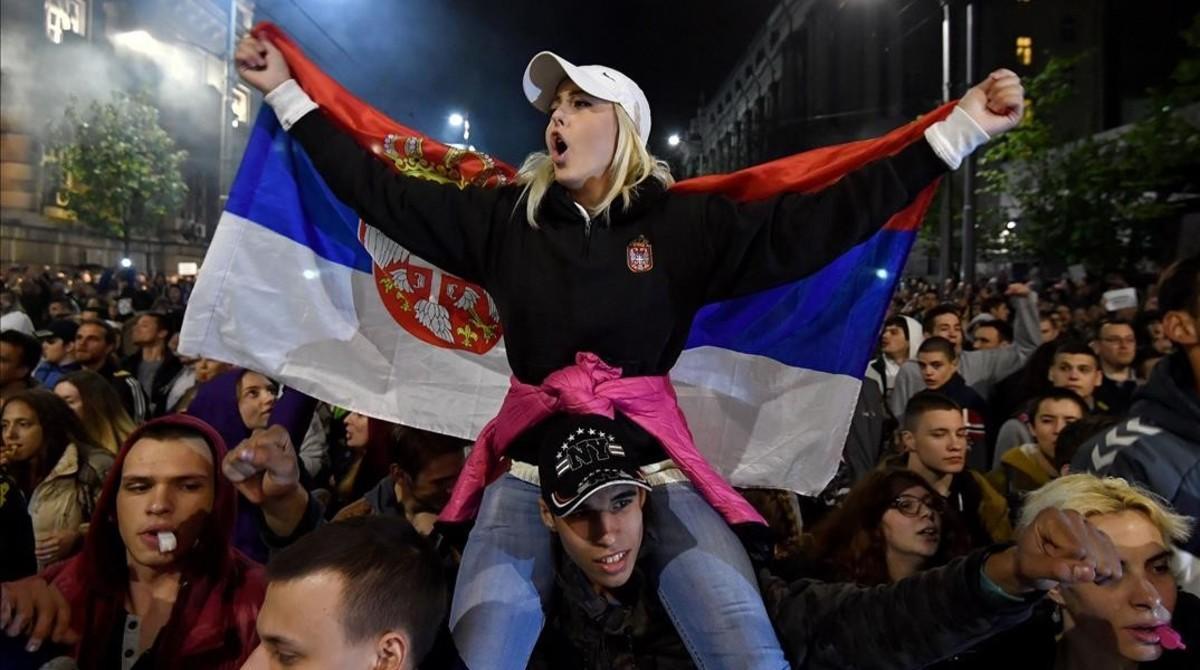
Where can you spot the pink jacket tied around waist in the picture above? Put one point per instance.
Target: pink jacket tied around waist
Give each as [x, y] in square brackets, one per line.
[593, 387]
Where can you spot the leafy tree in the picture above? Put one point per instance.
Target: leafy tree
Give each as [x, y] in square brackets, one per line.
[119, 168]
[1104, 200]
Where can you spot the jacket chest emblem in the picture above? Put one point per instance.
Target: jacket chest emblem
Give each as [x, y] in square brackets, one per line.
[639, 255]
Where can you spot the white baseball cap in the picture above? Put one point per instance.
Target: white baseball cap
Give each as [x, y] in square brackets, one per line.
[547, 70]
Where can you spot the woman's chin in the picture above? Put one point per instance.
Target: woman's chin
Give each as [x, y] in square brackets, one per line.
[566, 180]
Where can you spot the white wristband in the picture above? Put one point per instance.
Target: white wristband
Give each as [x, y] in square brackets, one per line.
[290, 103]
[955, 138]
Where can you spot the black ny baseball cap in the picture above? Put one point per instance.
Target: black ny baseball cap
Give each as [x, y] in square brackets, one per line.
[580, 455]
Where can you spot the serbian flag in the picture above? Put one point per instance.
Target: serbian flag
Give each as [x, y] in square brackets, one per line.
[296, 286]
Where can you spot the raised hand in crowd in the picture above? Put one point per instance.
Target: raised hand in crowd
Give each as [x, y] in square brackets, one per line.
[997, 103]
[1058, 548]
[261, 64]
[265, 470]
[1018, 289]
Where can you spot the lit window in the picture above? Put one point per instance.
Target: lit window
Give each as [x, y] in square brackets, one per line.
[1025, 50]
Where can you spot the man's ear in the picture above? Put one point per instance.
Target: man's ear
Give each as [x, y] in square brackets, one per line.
[400, 476]
[393, 651]
[1181, 328]
[908, 442]
[547, 517]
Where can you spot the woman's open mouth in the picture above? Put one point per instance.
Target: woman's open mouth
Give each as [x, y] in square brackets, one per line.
[558, 148]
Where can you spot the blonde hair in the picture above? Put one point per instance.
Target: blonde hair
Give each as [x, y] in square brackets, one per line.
[631, 165]
[1090, 495]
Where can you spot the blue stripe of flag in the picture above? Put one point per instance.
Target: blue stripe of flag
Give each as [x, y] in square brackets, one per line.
[826, 322]
[278, 188]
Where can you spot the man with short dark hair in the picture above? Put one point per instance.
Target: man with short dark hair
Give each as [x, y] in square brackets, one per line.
[938, 362]
[58, 352]
[424, 466]
[19, 355]
[1049, 328]
[897, 344]
[934, 442]
[365, 593]
[1031, 465]
[928, 300]
[1116, 344]
[159, 584]
[1075, 367]
[1159, 445]
[991, 335]
[61, 308]
[997, 307]
[154, 365]
[95, 342]
[981, 370]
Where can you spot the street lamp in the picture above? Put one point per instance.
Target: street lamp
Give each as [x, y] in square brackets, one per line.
[460, 120]
[673, 140]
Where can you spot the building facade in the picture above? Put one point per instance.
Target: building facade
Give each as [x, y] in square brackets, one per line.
[822, 72]
[175, 54]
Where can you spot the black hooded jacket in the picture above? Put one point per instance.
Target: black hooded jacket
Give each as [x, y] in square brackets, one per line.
[1159, 445]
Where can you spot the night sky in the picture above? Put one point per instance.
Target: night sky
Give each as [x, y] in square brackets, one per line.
[418, 61]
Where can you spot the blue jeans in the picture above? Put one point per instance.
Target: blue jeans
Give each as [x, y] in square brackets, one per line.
[705, 581]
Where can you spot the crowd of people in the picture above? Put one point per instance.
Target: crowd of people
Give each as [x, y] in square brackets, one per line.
[1088, 411]
[1018, 487]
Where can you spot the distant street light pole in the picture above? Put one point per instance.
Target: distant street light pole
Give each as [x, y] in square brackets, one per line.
[223, 178]
[944, 235]
[967, 272]
[460, 120]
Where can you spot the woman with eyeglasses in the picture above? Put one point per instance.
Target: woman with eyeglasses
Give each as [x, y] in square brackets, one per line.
[890, 526]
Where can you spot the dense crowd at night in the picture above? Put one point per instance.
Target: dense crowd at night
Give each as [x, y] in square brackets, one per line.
[1018, 486]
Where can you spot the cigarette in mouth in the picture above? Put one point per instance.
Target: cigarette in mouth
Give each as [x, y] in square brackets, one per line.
[166, 542]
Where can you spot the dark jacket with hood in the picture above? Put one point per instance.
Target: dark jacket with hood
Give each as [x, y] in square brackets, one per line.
[164, 377]
[212, 624]
[1159, 445]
